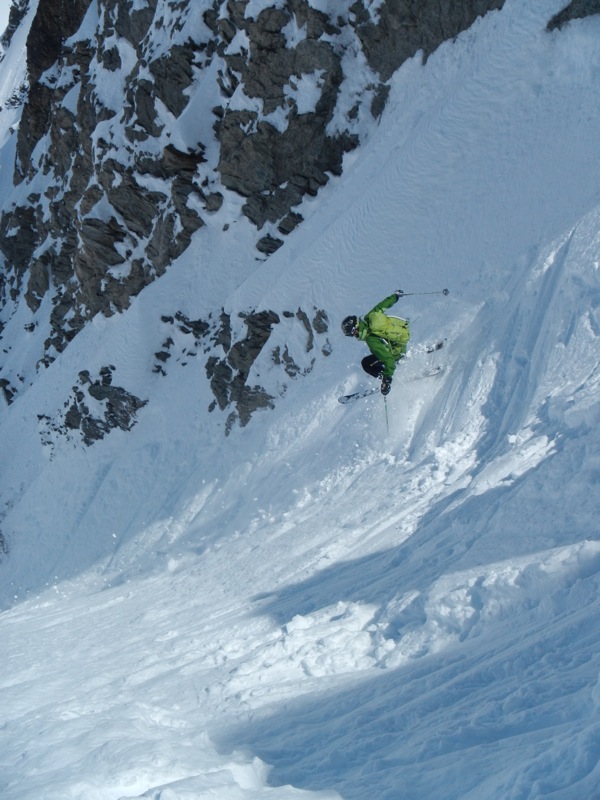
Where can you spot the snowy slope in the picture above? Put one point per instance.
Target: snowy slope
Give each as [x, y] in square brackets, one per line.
[410, 614]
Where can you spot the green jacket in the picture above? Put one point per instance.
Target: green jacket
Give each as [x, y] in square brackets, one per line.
[386, 337]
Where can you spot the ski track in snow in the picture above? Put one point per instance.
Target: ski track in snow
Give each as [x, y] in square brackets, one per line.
[312, 607]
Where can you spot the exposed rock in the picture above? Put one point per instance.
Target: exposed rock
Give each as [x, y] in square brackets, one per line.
[137, 206]
[268, 244]
[18, 240]
[197, 327]
[93, 410]
[305, 322]
[379, 100]
[248, 399]
[175, 162]
[404, 27]
[39, 281]
[79, 246]
[119, 408]
[285, 359]
[18, 10]
[131, 21]
[577, 9]
[290, 222]
[48, 31]
[98, 250]
[111, 59]
[7, 390]
[223, 335]
[320, 321]
[141, 112]
[275, 168]
[220, 375]
[244, 353]
[173, 75]
[230, 363]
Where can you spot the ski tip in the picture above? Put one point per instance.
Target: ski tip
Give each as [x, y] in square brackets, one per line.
[434, 347]
[347, 398]
[439, 370]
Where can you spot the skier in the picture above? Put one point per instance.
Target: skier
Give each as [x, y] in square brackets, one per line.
[386, 337]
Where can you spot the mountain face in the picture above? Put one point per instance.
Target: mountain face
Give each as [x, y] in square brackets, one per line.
[378, 600]
[142, 122]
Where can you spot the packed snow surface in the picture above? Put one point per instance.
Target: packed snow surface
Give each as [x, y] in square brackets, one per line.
[316, 606]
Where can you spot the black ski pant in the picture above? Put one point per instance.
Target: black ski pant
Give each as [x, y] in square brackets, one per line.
[373, 366]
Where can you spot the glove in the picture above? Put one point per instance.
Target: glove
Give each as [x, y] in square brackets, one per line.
[386, 385]
[398, 293]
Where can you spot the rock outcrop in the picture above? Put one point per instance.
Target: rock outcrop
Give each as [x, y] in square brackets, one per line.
[94, 408]
[247, 370]
[234, 364]
[577, 9]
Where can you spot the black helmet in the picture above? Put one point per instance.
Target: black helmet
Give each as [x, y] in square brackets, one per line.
[349, 325]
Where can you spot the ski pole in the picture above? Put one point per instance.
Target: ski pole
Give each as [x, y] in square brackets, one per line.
[443, 291]
[387, 421]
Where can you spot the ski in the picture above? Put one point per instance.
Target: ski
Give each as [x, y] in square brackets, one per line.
[434, 347]
[346, 398]
[427, 373]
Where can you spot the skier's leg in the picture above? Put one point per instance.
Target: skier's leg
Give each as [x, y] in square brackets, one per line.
[372, 365]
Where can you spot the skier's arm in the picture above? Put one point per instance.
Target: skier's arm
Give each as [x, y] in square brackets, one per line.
[383, 353]
[387, 302]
